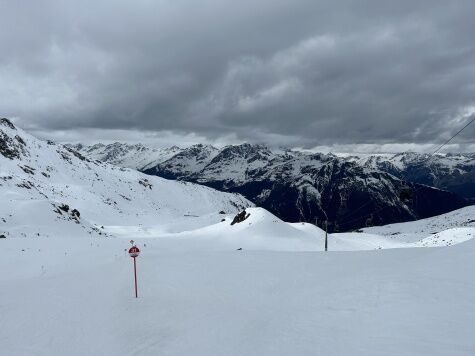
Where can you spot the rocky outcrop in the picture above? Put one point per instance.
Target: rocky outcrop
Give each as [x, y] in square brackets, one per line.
[10, 147]
[240, 217]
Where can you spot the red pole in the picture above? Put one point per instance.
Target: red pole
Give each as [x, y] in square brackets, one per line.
[135, 275]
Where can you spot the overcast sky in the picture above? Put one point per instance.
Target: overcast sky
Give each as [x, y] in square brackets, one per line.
[293, 73]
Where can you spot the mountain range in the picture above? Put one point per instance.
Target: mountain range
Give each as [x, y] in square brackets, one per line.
[345, 192]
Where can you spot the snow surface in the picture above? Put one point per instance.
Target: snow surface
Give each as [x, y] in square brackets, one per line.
[206, 287]
[459, 224]
[75, 297]
[279, 295]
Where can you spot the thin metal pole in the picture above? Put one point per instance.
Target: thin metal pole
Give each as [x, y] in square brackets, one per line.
[135, 275]
[326, 235]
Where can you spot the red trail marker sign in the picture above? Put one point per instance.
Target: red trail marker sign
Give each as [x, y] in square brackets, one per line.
[134, 252]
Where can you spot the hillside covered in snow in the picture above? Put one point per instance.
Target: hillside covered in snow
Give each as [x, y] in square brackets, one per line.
[49, 190]
[261, 287]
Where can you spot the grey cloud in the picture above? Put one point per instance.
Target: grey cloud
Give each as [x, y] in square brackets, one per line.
[301, 73]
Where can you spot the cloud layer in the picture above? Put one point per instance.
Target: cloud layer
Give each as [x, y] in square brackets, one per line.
[300, 73]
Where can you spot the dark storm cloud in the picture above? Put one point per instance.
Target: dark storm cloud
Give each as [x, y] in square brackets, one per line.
[283, 72]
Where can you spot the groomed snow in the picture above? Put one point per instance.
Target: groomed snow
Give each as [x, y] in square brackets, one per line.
[200, 295]
[415, 231]
[75, 297]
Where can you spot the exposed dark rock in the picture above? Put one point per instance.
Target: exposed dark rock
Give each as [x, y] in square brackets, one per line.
[66, 157]
[8, 123]
[8, 148]
[20, 140]
[27, 169]
[25, 184]
[145, 183]
[77, 154]
[11, 147]
[240, 217]
[75, 213]
[126, 198]
[64, 207]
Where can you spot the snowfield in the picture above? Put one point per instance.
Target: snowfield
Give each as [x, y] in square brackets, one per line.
[75, 297]
[279, 295]
[206, 287]
[264, 231]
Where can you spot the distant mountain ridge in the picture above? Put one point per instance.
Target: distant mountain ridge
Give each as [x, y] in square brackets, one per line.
[452, 172]
[351, 191]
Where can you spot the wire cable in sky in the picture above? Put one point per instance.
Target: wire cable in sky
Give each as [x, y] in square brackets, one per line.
[450, 139]
[428, 158]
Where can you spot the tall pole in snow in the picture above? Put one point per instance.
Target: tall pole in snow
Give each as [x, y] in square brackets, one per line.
[135, 275]
[326, 230]
[134, 253]
[326, 235]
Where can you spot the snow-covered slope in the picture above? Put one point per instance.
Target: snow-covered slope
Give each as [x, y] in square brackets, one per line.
[41, 184]
[264, 231]
[444, 230]
[76, 297]
[49, 190]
